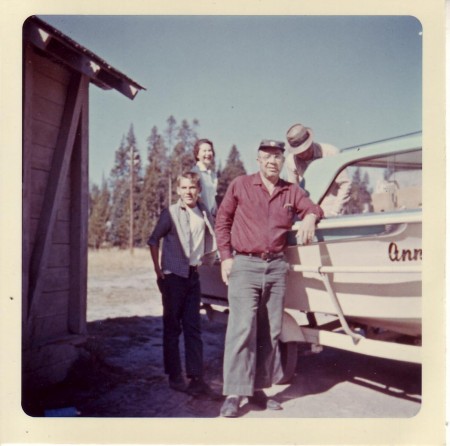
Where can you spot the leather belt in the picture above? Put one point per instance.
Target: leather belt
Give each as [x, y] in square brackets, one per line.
[193, 269]
[266, 256]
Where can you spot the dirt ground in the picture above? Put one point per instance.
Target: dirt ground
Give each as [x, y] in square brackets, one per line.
[120, 373]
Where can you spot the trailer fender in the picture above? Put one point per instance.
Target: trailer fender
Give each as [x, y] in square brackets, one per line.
[290, 330]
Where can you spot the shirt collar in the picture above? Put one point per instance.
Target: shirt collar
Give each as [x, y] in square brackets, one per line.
[202, 167]
[184, 207]
[257, 181]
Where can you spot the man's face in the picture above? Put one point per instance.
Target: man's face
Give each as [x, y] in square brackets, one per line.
[188, 192]
[205, 154]
[307, 155]
[270, 162]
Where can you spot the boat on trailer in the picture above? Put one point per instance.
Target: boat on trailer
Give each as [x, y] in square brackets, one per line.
[358, 285]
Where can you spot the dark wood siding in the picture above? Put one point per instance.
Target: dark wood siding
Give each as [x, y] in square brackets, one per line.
[56, 76]
[50, 82]
[55, 191]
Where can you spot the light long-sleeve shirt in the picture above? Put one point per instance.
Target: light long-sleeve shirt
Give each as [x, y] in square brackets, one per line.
[339, 193]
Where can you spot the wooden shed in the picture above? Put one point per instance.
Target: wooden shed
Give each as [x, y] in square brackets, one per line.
[57, 72]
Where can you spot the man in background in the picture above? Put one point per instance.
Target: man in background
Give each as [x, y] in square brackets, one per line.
[303, 151]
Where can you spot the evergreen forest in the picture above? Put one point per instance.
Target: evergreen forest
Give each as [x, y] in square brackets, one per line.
[125, 207]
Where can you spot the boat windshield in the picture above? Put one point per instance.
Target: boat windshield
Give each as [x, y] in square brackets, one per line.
[385, 183]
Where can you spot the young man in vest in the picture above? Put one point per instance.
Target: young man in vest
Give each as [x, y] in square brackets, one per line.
[186, 229]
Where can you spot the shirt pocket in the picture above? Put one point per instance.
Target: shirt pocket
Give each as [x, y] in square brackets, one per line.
[288, 213]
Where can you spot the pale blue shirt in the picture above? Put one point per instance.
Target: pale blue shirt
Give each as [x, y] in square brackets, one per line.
[208, 179]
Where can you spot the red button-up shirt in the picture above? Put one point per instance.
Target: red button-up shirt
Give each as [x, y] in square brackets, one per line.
[251, 220]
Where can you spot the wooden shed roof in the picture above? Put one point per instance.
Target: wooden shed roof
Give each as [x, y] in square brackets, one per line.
[65, 50]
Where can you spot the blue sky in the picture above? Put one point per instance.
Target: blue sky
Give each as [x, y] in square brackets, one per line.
[352, 79]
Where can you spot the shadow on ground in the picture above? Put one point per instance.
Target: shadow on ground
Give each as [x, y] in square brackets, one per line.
[317, 373]
[120, 374]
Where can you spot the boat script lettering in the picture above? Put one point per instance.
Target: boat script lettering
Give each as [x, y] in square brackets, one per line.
[404, 255]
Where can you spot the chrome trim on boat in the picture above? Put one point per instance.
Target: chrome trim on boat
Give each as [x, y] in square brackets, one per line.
[355, 269]
[367, 220]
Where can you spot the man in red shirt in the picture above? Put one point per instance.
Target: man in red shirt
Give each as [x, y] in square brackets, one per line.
[251, 231]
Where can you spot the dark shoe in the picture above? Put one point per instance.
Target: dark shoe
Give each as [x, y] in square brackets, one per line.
[230, 407]
[178, 383]
[198, 387]
[261, 400]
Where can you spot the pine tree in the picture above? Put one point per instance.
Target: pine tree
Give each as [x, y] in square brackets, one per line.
[99, 214]
[122, 181]
[187, 134]
[155, 185]
[135, 182]
[181, 158]
[119, 198]
[359, 193]
[234, 167]
[171, 131]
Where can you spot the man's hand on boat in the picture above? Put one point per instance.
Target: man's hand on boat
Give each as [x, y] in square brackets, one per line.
[306, 230]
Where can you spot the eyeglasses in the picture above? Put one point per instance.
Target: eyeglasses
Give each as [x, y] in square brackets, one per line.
[267, 157]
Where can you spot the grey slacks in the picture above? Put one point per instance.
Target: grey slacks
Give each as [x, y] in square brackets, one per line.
[256, 291]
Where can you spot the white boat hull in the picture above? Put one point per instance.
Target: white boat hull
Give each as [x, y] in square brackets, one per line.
[386, 293]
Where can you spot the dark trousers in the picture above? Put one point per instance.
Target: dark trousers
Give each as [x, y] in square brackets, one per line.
[181, 313]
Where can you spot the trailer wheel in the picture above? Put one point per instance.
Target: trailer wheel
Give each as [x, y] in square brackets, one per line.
[285, 362]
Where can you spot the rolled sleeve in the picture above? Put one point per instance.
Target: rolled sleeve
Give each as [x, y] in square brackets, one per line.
[304, 206]
[224, 222]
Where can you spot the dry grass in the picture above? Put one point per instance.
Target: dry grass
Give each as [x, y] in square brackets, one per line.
[113, 262]
[121, 284]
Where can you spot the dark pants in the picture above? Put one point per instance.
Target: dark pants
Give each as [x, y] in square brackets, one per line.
[181, 313]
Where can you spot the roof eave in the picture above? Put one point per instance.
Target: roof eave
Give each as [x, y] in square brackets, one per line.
[69, 52]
